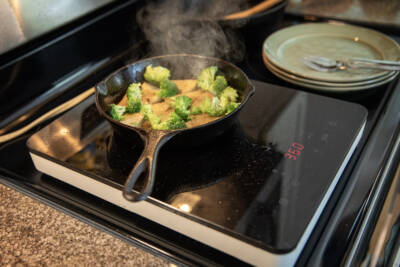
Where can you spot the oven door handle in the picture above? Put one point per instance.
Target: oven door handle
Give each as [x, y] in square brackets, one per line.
[385, 230]
[52, 113]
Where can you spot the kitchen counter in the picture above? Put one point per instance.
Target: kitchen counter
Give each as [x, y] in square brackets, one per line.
[384, 12]
[32, 233]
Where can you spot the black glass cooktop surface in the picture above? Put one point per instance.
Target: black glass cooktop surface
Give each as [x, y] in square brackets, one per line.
[263, 182]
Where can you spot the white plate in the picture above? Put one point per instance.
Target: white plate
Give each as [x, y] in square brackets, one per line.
[285, 49]
[337, 89]
[371, 82]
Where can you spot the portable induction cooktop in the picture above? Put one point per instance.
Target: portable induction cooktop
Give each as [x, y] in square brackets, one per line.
[255, 192]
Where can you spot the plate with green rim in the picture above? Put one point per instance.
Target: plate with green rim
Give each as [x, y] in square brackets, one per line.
[285, 49]
[291, 76]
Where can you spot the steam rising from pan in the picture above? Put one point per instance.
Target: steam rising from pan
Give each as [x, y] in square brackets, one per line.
[191, 27]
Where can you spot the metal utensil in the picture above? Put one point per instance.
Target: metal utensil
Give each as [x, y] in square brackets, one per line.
[327, 64]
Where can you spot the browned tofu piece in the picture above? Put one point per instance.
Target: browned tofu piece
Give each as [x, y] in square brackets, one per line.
[133, 119]
[123, 101]
[199, 120]
[150, 94]
[185, 86]
[198, 96]
[162, 110]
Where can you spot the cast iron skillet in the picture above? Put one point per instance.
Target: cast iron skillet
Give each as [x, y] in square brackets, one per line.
[183, 66]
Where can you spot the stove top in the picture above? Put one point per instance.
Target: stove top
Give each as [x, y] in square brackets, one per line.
[255, 193]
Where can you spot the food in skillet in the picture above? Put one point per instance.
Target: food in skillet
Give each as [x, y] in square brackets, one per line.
[163, 104]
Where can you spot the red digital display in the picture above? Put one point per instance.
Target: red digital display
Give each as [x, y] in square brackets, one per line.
[294, 151]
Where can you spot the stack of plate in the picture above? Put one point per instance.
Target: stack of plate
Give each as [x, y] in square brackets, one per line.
[284, 50]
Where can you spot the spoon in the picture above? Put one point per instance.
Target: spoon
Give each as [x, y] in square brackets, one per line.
[327, 64]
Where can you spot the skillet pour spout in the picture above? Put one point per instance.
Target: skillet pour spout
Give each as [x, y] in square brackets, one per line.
[182, 66]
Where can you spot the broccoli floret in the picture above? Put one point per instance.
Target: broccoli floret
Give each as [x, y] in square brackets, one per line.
[150, 116]
[230, 94]
[167, 89]
[207, 81]
[218, 106]
[196, 111]
[134, 91]
[133, 106]
[212, 107]
[205, 105]
[218, 85]
[134, 96]
[117, 112]
[206, 78]
[156, 75]
[231, 107]
[173, 122]
[181, 102]
[182, 105]
[215, 107]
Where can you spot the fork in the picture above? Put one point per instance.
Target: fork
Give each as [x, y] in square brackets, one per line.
[327, 64]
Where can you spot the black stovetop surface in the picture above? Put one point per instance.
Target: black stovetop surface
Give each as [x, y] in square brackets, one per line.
[18, 171]
[262, 181]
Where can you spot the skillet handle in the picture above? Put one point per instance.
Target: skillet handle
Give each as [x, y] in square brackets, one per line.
[147, 161]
